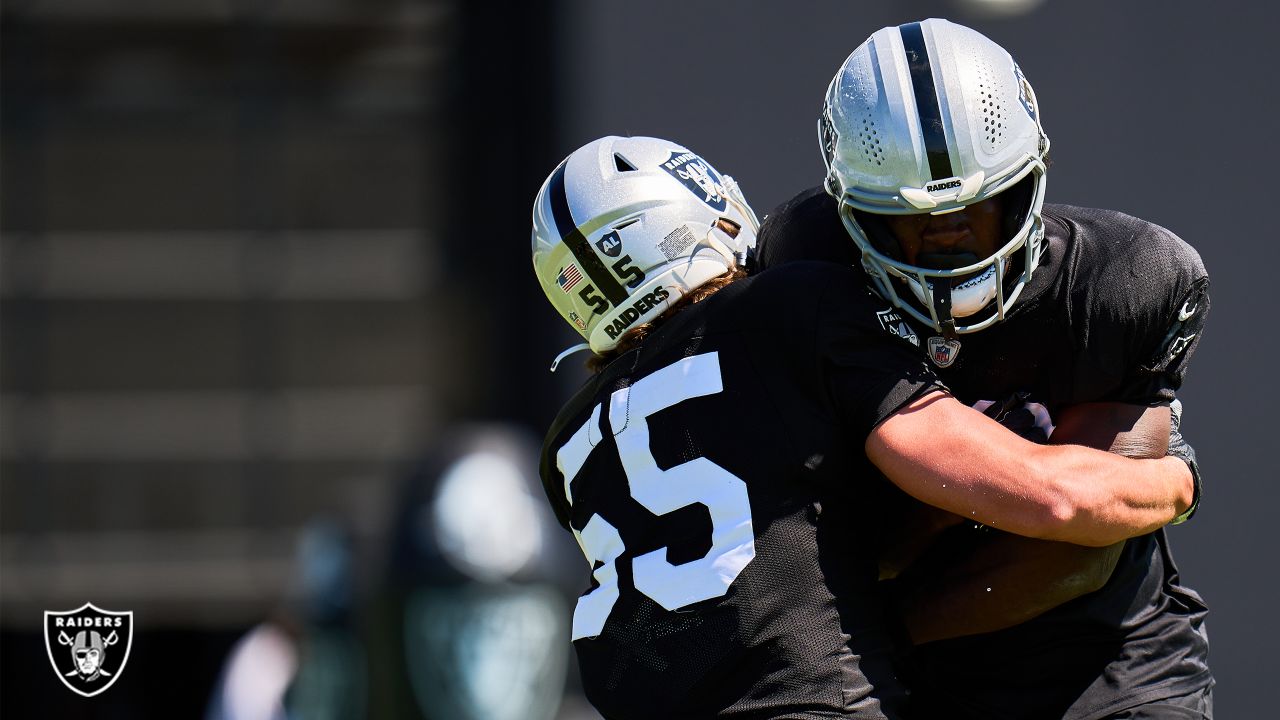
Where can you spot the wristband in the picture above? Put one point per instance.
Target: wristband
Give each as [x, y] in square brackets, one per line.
[1195, 493]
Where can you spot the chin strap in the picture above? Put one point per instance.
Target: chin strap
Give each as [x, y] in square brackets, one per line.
[942, 308]
[568, 351]
[735, 198]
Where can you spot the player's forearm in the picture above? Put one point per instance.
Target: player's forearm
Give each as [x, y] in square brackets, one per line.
[965, 609]
[1003, 581]
[948, 455]
[1100, 499]
[1135, 431]
[912, 529]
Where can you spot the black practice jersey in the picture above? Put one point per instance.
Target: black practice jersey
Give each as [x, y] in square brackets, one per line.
[1113, 313]
[716, 480]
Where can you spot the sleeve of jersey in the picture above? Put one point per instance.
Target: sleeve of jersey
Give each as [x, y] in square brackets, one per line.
[806, 227]
[1155, 317]
[869, 373]
[553, 481]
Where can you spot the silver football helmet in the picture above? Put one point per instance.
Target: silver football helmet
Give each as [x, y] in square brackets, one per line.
[930, 117]
[626, 226]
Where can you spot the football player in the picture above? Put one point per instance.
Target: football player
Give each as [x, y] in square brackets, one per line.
[719, 470]
[935, 188]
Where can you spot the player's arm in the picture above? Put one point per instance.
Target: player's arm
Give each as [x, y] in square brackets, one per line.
[1008, 579]
[951, 456]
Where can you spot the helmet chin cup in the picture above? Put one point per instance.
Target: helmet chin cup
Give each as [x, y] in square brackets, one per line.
[967, 297]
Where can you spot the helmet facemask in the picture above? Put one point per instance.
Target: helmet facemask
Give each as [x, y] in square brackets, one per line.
[933, 118]
[959, 293]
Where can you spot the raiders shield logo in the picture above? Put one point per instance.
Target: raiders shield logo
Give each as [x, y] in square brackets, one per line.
[827, 137]
[694, 173]
[1026, 95]
[610, 244]
[893, 324]
[88, 646]
[943, 352]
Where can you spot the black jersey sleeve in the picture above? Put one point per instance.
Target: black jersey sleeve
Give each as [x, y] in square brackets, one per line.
[806, 227]
[552, 479]
[869, 371]
[1141, 304]
[548, 468]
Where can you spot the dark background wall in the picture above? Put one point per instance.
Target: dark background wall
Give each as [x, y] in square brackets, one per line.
[1165, 110]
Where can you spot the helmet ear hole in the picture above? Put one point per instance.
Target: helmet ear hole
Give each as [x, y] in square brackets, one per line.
[728, 227]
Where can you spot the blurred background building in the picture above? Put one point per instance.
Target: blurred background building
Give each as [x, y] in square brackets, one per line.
[262, 263]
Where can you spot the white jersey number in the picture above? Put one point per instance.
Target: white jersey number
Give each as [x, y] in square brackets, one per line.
[698, 481]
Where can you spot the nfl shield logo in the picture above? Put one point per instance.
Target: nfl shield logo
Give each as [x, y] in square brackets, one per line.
[88, 646]
[943, 352]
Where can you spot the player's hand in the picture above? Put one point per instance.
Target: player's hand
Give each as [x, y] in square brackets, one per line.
[1180, 448]
[1028, 420]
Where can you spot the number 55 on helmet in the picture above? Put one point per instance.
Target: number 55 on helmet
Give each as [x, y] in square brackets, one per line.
[624, 227]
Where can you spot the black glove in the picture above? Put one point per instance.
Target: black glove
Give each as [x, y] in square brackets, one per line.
[1030, 421]
[1179, 448]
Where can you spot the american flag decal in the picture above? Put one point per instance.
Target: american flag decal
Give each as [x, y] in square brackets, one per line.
[568, 277]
